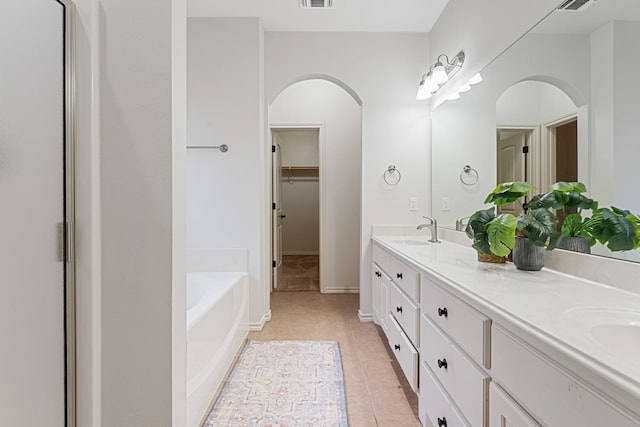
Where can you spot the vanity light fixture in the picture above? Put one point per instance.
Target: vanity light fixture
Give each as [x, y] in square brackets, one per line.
[438, 74]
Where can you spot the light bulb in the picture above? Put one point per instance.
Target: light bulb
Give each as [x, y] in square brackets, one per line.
[439, 74]
[423, 94]
[429, 84]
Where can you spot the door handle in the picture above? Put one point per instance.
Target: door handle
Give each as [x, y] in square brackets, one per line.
[283, 216]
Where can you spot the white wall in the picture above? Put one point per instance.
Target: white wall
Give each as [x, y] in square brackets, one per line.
[300, 191]
[482, 29]
[626, 151]
[384, 71]
[225, 191]
[532, 103]
[464, 131]
[136, 167]
[323, 102]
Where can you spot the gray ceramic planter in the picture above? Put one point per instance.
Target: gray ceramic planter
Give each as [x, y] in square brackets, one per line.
[575, 244]
[527, 256]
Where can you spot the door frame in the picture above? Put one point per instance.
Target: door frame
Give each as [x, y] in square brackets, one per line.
[321, 190]
[68, 229]
[549, 147]
[533, 159]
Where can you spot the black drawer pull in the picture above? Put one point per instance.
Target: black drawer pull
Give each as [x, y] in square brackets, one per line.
[399, 309]
[442, 363]
[443, 312]
[399, 275]
[442, 422]
[378, 274]
[397, 347]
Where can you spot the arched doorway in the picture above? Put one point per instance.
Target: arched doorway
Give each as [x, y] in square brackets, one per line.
[316, 187]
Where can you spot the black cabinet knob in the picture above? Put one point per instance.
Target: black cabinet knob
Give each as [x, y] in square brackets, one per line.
[443, 312]
[442, 363]
[442, 422]
[378, 274]
[397, 347]
[399, 275]
[399, 309]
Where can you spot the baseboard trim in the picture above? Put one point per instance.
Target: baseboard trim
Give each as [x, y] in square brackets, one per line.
[257, 327]
[365, 317]
[341, 291]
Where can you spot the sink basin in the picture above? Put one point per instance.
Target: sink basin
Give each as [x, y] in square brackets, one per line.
[616, 330]
[413, 242]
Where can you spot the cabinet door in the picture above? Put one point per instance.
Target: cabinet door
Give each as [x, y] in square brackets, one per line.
[383, 309]
[504, 412]
[375, 293]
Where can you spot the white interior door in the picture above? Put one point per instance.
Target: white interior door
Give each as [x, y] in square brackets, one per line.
[511, 165]
[32, 209]
[277, 214]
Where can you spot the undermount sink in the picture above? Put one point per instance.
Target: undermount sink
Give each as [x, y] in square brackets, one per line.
[615, 330]
[414, 242]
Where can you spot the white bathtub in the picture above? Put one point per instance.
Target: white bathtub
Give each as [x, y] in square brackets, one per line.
[217, 325]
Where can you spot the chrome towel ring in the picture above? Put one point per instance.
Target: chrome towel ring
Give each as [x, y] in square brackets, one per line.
[392, 175]
[469, 176]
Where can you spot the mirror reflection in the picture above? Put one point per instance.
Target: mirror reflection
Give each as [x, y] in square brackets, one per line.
[568, 91]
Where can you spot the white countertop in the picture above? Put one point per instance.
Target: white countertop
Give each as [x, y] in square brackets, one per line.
[560, 308]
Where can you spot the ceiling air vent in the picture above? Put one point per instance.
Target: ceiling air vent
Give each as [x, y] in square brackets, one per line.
[316, 4]
[575, 5]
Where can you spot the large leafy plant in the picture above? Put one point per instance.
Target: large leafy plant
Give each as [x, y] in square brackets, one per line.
[565, 195]
[496, 234]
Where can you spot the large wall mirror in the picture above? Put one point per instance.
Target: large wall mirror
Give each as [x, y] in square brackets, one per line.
[572, 77]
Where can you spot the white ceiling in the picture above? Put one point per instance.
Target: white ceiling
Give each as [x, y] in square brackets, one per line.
[347, 16]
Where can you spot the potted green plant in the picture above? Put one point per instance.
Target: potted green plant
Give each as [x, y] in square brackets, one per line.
[577, 230]
[616, 228]
[526, 235]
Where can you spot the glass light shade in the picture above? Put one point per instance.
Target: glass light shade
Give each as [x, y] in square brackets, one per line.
[439, 74]
[453, 96]
[466, 87]
[430, 85]
[423, 93]
[475, 79]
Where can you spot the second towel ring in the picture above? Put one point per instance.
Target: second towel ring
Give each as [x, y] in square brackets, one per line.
[391, 172]
[469, 176]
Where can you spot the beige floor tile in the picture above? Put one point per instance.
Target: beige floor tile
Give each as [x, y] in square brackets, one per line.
[377, 392]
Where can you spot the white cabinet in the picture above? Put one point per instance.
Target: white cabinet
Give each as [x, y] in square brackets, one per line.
[504, 412]
[380, 286]
[485, 358]
[454, 341]
[395, 297]
[553, 395]
[464, 381]
[469, 328]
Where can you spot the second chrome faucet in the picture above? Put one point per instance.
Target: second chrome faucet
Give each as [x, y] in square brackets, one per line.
[433, 226]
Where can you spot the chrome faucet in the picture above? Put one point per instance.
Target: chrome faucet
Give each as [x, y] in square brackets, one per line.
[461, 224]
[433, 226]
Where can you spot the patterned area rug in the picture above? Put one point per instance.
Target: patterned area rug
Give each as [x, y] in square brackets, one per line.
[283, 384]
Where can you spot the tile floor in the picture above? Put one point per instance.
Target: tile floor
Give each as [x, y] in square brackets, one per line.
[300, 273]
[377, 392]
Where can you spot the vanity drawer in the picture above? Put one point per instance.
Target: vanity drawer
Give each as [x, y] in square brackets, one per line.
[467, 385]
[435, 406]
[405, 277]
[467, 327]
[505, 412]
[381, 257]
[404, 351]
[552, 395]
[406, 313]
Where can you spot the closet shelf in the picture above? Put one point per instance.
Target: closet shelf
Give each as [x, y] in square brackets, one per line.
[292, 173]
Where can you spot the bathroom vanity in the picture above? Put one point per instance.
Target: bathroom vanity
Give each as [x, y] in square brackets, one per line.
[490, 345]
